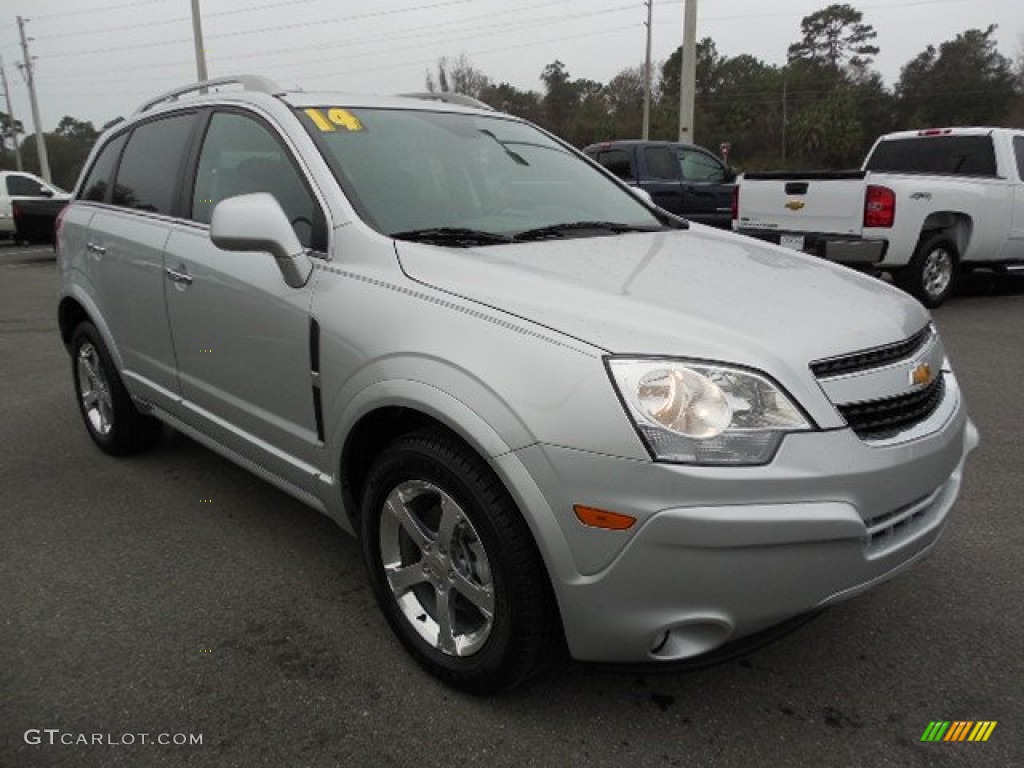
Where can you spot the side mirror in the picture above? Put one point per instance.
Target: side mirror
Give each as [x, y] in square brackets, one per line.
[44, 192]
[256, 223]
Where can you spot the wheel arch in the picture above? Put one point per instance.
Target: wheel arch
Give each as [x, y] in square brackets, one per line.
[955, 225]
[382, 412]
[75, 308]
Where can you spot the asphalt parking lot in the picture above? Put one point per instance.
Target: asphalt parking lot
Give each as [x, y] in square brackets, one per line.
[174, 593]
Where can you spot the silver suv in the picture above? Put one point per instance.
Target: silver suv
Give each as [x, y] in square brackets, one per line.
[549, 410]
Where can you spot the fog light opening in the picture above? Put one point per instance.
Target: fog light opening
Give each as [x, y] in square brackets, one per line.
[691, 638]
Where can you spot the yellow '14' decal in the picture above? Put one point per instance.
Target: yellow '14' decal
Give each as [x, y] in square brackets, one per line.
[336, 118]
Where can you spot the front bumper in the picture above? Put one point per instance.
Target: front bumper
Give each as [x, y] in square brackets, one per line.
[719, 553]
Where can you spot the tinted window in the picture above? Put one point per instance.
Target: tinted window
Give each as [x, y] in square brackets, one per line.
[944, 155]
[98, 181]
[617, 161]
[661, 164]
[24, 186]
[1018, 150]
[698, 166]
[148, 175]
[241, 156]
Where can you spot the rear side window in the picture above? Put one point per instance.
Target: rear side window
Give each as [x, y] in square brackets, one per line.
[97, 183]
[661, 163]
[1018, 150]
[941, 155]
[617, 161]
[151, 166]
[23, 186]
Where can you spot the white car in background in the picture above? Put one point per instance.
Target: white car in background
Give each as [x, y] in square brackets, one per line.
[17, 185]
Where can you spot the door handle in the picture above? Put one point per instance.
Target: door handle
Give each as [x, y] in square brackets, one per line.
[178, 277]
[99, 250]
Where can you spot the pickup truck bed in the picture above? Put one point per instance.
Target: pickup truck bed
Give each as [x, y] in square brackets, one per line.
[926, 205]
[35, 220]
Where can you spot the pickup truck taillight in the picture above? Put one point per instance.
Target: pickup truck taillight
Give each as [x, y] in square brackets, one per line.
[879, 206]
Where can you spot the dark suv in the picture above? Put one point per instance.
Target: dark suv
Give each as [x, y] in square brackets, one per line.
[684, 179]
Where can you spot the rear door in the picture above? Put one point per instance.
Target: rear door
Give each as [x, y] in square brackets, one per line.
[1015, 246]
[707, 195]
[124, 250]
[241, 335]
[660, 177]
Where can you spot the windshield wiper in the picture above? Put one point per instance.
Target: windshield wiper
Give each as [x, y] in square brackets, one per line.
[571, 228]
[457, 237]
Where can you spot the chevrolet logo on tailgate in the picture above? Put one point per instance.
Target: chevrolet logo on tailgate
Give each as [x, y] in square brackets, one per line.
[795, 205]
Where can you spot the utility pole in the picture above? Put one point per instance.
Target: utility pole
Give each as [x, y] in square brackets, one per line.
[785, 86]
[688, 75]
[647, 74]
[10, 114]
[197, 37]
[37, 123]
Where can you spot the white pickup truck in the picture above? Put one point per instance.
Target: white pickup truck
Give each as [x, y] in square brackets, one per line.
[925, 205]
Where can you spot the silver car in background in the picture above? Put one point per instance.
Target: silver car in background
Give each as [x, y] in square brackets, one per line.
[551, 412]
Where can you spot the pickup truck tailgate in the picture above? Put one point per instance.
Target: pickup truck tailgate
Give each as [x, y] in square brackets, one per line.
[826, 203]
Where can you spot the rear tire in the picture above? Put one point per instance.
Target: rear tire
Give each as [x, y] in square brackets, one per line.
[110, 415]
[931, 274]
[454, 566]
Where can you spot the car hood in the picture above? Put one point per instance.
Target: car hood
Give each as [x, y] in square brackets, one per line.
[694, 293]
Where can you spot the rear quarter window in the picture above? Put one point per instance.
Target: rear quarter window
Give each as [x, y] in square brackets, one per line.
[940, 155]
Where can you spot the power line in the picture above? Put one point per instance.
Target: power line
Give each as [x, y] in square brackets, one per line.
[101, 9]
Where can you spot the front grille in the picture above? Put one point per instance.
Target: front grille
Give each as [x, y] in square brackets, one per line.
[872, 358]
[881, 419]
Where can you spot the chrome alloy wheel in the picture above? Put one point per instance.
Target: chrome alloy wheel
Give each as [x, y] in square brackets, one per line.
[937, 271]
[94, 390]
[436, 567]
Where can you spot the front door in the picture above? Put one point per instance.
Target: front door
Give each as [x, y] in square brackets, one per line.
[241, 335]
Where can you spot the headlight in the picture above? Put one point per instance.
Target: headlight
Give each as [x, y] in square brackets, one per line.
[702, 413]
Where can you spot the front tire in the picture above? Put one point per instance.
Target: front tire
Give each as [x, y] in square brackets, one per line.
[454, 566]
[110, 416]
[931, 274]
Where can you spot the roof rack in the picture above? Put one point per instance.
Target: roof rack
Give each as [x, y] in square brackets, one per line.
[248, 83]
[448, 97]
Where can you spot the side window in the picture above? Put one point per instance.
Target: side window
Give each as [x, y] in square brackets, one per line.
[240, 156]
[617, 161]
[1018, 150]
[98, 181]
[23, 186]
[148, 175]
[698, 166]
[661, 164]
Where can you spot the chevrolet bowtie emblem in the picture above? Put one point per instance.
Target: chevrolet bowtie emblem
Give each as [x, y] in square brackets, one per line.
[795, 205]
[921, 375]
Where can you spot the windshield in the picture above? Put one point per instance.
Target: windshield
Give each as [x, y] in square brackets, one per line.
[410, 172]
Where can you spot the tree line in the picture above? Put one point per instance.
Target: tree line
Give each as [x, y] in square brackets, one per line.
[822, 109]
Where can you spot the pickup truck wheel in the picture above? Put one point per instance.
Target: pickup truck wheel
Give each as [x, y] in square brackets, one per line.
[932, 271]
[454, 566]
[110, 416]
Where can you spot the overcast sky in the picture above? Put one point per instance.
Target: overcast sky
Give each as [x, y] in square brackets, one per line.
[97, 59]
